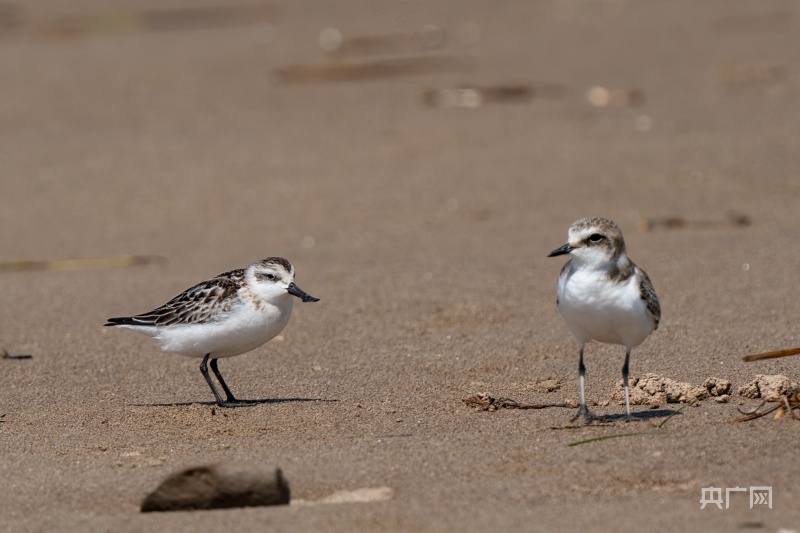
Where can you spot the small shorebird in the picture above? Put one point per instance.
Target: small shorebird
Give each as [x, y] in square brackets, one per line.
[226, 315]
[603, 296]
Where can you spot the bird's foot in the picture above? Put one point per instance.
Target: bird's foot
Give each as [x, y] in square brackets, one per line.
[588, 416]
[230, 404]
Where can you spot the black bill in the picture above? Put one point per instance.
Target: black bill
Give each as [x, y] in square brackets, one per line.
[560, 251]
[294, 290]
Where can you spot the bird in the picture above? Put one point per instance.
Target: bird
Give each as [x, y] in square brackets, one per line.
[227, 315]
[604, 296]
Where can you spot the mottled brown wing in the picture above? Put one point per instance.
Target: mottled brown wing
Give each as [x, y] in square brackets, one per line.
[196, 305]
[649, 296]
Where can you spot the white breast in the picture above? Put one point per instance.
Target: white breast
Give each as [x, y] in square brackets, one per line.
[245, 327]
[596, 308]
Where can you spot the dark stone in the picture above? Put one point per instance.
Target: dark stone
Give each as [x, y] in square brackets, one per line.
[219, 486]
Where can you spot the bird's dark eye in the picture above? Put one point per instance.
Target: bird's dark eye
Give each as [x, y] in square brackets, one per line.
[263, 277]
[595, 238]
[271, 277]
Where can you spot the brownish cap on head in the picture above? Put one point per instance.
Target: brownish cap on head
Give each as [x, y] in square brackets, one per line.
[597, 231]
[272, 262]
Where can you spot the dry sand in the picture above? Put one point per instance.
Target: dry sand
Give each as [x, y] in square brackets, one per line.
[424, 231]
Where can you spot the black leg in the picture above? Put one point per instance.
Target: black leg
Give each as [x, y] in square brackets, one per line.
[582, 380]
[231, 401]
[204, 371]
[584, 411]
[625, 382]
[222, 382]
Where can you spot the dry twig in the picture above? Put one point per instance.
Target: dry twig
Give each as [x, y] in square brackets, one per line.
[772, 355]
[483, 402]
[787, 404]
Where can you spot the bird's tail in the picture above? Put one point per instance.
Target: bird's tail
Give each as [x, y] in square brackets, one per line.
[119, 321]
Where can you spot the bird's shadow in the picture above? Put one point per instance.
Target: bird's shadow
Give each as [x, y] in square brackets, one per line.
[612, 419]
[642, 415]
[245, 403]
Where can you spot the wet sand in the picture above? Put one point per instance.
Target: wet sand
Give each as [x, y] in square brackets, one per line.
[422, 219]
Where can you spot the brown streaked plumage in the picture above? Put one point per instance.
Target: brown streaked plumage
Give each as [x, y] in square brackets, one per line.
[202, 303]
[227, 315]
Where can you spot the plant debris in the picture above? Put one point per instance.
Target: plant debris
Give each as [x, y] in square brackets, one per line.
[484, 402]
[162, 20]
[472, 97]
[428, 38]
[367, 69]
[606, 437]
[81, 264]
[775, 389]
[602, 97]
[732, 219]
[772, 355]
[786, 404]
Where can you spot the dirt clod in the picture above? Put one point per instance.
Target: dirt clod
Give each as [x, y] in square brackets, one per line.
[771, 388]
[654, 391]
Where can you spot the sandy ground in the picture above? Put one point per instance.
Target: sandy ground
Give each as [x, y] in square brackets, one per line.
[424, 230]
